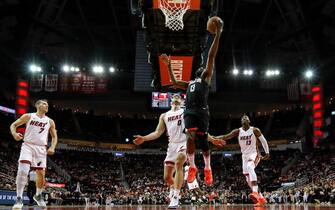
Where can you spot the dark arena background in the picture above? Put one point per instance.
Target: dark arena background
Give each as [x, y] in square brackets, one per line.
[99, 66]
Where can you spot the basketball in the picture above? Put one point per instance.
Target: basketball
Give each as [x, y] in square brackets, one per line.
[212, 24]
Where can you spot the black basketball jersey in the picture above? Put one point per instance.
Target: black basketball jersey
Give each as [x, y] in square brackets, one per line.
[197, 95]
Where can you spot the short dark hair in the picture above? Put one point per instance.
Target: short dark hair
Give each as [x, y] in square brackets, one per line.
[40, 101]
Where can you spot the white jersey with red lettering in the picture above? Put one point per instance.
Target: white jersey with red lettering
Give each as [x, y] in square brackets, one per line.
[37, 130]
[174, 123]
[247, 141]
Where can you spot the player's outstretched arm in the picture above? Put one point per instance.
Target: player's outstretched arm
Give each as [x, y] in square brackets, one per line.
[22, 120]
[232, 134]
[208, 73]
[152, 136]
[176, 83]
[54, 138]
[265, 145]
[215, 141]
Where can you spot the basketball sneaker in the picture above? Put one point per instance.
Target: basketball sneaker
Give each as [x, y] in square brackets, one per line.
[192, 173]
[208, 177]
[40, 201]
[261, 201]
[18, 203]
[254, 196]
[174, 203]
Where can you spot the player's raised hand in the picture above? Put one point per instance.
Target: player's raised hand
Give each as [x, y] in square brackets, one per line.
[166, 59]
[51, 151]
[219, 26]
[17, 136]
[215, 141]
[138, 139]
[266, 157]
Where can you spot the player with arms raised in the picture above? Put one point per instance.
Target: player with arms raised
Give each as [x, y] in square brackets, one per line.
[34, 151]
[173, 122]
[197, 111]
[248, 137]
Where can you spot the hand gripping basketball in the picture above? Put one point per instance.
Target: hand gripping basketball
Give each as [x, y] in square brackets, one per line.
[138, 139]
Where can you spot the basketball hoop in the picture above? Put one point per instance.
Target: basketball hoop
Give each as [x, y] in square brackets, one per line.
[174, 11]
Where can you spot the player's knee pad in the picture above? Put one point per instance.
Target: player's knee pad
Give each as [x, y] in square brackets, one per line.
[22, 174]
[23, 169]
[203, 142]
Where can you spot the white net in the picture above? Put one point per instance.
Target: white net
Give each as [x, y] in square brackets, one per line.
[174, 11]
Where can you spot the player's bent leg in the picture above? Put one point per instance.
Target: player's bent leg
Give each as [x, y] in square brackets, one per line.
[203, 143]
[40, 182]
[192, 172]
[21, 181]
[168, 177]
[168, 173]
[178, 179]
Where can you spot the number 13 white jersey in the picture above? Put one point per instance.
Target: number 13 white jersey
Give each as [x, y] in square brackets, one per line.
[174, 122]
[247, 141]
[37, 130]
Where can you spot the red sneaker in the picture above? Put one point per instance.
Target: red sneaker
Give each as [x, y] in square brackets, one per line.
[254, 196]
[192, 173]
[208, 177]
[261, 201]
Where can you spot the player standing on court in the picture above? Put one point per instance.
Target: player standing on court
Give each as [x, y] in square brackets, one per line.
[196, 115]
[34, 150]
[173, 122]
[247, 139]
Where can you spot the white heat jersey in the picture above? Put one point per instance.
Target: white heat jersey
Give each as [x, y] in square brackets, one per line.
[37, 130]
[247, 141]
[174, 121]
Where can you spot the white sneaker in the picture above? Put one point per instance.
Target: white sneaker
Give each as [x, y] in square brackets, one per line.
[18, 203]
[40, 201]
[174, 203]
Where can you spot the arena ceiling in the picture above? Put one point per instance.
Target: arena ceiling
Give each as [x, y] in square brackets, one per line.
[291, 34]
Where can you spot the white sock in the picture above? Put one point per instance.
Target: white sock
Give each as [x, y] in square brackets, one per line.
[207, 160]
[171, 192]
[255, 188]
[191, 159]
[176, 193]
[39, 191]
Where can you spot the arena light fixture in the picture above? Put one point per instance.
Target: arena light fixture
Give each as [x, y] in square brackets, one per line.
[127, 139]
[34, 68]
[248, 72]
[235, 71]
[111, 69]
[98, 69]
[77, 69]
[309, 74]
[66, 68]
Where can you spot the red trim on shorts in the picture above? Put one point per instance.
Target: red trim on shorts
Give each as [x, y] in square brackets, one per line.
[246, 174]
[36, 168]
[169, 163]
[25, 161]
[192, 129]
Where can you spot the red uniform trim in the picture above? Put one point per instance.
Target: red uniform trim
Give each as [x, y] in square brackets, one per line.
[201, 133]
[192, 129]
[37, 168]
[169, 163]
[25, 161]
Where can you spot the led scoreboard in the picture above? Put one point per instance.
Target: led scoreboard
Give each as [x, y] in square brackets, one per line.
[162, 100]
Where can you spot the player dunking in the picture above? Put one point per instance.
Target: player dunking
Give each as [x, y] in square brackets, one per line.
[197, 111]
[173, 122]
[34, 150]
[247, 139]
